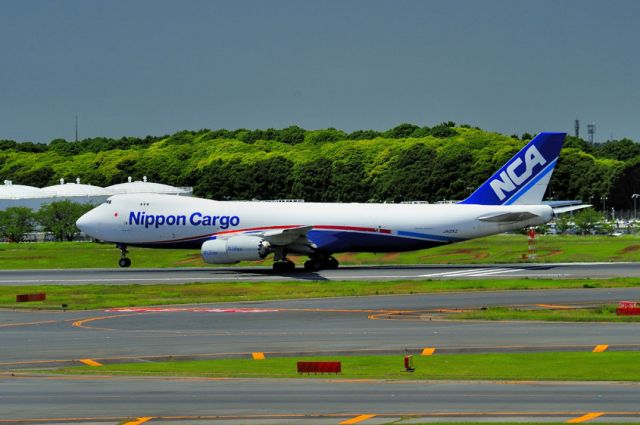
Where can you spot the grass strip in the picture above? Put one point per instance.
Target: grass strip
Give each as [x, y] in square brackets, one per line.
[608, 366]
[603, 313]
[83, 297]
[505, 248]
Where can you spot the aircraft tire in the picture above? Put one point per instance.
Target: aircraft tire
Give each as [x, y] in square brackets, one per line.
[331, 263]
[284, 266]
[290, 266]
[124, 262]
[312, 266]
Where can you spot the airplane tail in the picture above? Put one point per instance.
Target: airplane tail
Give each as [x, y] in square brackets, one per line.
[524, 179]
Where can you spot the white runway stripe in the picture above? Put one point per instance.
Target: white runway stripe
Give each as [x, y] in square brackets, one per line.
[454, 273]
[472, 272]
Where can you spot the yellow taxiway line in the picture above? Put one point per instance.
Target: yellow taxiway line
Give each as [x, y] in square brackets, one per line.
[585, 418]
[356, 420]
[139, 421]
[90, 362]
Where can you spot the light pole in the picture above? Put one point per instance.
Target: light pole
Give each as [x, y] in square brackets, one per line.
[635, 196]
[604, 207]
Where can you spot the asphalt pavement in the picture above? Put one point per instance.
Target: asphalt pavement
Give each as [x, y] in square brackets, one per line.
[117, 276]
[348, 325]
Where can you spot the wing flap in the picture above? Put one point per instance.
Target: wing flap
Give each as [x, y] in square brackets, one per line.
[286, 236]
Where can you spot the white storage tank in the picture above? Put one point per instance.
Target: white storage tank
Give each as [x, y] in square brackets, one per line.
[145, 186]
[78, 192]
[17, 195]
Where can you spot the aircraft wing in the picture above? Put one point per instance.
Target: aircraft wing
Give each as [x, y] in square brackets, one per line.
[282, 237]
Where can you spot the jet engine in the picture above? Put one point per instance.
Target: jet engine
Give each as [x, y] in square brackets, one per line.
[234, 249]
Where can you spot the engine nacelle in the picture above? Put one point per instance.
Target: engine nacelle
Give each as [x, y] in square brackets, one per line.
[234, 249]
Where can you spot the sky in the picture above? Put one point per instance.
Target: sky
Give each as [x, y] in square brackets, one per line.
[154, 67]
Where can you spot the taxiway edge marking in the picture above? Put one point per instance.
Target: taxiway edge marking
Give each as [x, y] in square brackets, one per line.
[139, 421]
[357, 419]
[585, 418]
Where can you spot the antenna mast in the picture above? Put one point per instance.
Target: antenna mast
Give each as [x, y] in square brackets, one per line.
[591, 129]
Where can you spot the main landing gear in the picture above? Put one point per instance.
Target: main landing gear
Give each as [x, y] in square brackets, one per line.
[285, 266]
[281, 263]
[320, 262]
[124, 261]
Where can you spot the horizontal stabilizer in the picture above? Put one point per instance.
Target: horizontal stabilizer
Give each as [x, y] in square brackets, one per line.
[508, 217]
[571, 208]
[560, 203]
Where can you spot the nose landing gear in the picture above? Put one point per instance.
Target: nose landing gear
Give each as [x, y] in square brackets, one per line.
[124, 261]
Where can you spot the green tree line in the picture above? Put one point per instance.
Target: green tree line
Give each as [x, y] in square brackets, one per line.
[405, 163]
[58, 218]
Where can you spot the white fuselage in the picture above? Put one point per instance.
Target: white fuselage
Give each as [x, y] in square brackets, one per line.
[173, 221]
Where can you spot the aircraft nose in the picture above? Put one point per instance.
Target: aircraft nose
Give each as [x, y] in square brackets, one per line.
[87, 223]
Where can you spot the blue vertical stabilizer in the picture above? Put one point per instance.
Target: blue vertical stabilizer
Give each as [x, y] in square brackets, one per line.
[524, 179]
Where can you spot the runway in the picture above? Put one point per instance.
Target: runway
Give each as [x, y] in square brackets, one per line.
[118, 276]
[347, 325]
[201, 401]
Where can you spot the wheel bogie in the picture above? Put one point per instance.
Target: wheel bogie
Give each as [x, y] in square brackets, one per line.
[286, 266]
[315, 264]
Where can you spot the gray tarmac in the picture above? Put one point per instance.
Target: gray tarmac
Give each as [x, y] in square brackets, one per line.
[360, 324]
[30, 339]
[118, 276]
[357, 324]
[269, 401]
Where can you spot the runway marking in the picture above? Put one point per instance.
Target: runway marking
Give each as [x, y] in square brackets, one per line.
[413, 414]
[453, 273]
[90, 362]
[43, 322]
[558, 307]
[81, 323]
[600, 348]
[139, 421]
[585, 418]
[473, 272]
[428, 351]
[357, 419]
[257, 356]
[189, 309]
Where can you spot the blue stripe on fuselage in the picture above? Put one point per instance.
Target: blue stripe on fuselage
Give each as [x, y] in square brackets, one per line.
[334, 241]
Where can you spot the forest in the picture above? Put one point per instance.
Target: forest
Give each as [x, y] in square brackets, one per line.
[405, 163]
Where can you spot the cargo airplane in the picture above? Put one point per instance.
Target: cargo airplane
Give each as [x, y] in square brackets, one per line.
[227, 232]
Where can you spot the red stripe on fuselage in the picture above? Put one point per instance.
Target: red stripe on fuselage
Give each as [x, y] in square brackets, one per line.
[318, 227]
